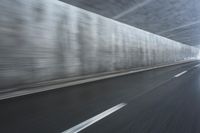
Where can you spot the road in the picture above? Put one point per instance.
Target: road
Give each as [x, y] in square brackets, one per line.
[164, 100]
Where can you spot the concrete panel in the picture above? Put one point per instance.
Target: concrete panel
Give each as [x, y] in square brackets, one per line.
[47, 40]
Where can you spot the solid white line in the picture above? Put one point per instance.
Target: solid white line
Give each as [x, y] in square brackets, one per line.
[94, 119]
[60, 83]
[178, 75]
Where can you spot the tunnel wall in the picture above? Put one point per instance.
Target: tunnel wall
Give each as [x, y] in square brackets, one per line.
[47, 40]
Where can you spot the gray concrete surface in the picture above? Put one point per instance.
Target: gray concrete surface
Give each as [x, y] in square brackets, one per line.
[47, 40]
[175, 19]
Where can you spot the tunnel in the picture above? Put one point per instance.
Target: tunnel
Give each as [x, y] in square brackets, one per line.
[100, 66]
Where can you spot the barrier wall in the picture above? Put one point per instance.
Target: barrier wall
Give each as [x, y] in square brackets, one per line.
[47, 40]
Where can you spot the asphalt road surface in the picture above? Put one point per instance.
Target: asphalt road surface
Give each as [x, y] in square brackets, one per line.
[165, 100]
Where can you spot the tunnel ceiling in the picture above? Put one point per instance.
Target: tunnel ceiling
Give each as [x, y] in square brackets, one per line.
[175, 19]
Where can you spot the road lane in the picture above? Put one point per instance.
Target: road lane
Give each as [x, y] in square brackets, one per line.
[58, 110]
[171, 108]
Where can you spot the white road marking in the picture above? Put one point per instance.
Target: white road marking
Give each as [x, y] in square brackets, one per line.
[56, 84]
[94, 119]
[178, 75]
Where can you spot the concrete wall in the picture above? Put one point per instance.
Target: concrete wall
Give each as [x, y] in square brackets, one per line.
[43, 40]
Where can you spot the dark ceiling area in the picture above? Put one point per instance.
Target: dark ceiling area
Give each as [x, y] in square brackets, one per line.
[178, 20]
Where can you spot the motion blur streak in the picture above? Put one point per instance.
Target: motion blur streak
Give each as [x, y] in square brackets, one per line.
[66, 69]
[47, 40]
